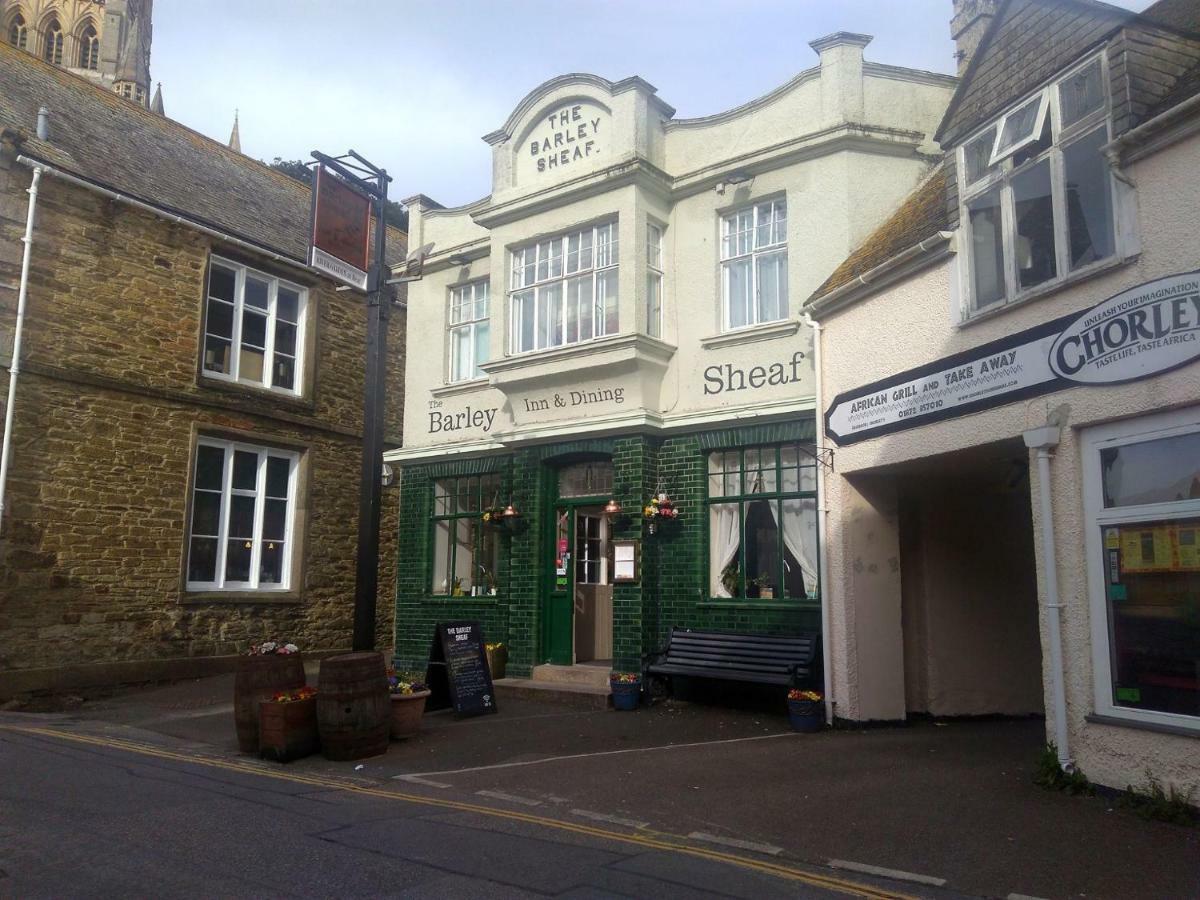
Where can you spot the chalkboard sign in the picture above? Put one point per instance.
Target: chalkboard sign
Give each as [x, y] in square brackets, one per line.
[458, 674]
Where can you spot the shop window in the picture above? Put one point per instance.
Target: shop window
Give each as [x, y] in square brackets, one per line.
[762, 522]
[564, 289]
[466, 550]
[754, 265]
[470, 328]
[253, 328]
[18, 32]
[654, 280]
[52, 43]
[1143, 502]
[243, 512]
[89, 48]
[1037, 192]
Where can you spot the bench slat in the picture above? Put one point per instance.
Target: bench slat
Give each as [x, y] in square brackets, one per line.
[737, 656]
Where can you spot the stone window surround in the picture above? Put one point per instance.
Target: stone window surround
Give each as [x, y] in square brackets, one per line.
[301, 489]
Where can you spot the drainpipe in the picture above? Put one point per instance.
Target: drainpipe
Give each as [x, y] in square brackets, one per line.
[14, 366]
[822, 516]
[1045, 440]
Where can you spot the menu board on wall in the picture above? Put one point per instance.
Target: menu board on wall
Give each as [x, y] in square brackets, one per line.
[458, 674]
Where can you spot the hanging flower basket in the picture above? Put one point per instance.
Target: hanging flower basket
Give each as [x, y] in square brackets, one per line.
[660, 508]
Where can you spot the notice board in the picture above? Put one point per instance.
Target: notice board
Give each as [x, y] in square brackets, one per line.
[458, 675]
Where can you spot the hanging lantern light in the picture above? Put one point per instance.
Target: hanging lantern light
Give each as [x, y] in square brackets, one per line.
[612, 509]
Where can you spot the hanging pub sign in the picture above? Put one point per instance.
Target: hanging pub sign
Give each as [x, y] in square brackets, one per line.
[458, 674]
[341, 229]
[1144, 331]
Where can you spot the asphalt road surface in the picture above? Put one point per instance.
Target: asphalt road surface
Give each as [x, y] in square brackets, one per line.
[88, 817]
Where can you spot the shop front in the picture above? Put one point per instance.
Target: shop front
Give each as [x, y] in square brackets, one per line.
[610, 417]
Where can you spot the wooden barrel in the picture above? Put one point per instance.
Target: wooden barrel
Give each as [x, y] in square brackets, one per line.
[353, 706]
[259, 677]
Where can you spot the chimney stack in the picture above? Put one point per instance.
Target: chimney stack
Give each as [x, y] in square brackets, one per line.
[971, 19]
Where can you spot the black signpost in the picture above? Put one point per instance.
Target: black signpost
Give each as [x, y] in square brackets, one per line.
[458, 674]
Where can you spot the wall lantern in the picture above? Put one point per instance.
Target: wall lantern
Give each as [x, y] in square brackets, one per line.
[612, 509]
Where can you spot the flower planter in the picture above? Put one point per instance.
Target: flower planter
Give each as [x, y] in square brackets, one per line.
[257, 679]
[807, 716]
[287, 731]
[407, 710]
[497, 661]
[626, 694]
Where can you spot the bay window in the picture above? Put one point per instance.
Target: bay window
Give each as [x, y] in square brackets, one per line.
[762, 521]
[243, 512]
[1142, 500]
[754, 284]
[654, 280]
[564, 289]
[1037, 193]
[469, 330]
[253, 328]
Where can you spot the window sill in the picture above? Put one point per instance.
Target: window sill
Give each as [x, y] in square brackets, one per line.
[460, 387]
[242, 389]
[442, 599]
[1138, 725]
[759, 604]
[766, 332]
[192, 598]
[1044, 290]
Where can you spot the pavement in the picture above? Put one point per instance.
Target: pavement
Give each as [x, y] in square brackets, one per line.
[936, 809]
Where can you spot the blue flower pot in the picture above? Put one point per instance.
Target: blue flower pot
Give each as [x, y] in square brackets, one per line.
[625, 695]
[806, 715]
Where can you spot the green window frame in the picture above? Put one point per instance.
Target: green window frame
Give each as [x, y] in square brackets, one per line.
[465, 551]
[762, 523]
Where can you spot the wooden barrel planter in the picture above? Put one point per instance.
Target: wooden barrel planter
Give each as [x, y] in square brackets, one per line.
[257, 679]
[353, 706]
[287, 731]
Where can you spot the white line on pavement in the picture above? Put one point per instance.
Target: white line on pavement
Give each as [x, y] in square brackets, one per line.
[511, 798]
[898, 874]
[770, 849]
[1023, 897]
[605, 817]
[417, 779]
[548, 759]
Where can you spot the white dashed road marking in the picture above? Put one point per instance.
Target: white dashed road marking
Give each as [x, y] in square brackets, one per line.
[511, 798]
[605, 817]
[898, 874]
[769, 849]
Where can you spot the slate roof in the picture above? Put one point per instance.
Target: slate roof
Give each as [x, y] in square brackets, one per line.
[922, 215]
[120, 145]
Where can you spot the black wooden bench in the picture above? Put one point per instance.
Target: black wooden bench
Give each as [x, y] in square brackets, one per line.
[737, 656]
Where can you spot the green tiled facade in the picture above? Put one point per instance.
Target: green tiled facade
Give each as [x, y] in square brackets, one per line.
[673, 588]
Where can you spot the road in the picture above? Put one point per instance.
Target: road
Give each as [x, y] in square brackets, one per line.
[85, 815]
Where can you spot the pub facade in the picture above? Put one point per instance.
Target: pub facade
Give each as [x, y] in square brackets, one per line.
[613, 335]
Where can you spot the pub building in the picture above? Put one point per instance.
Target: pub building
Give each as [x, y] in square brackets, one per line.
[1010, 371]
[617, 322]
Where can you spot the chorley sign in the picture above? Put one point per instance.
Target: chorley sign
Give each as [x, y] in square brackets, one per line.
[1144, 331]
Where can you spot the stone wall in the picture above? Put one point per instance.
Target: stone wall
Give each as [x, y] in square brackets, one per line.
[109, 404]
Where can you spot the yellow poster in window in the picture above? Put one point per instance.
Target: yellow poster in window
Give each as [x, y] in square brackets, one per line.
[1147, 548]
[1187, 547]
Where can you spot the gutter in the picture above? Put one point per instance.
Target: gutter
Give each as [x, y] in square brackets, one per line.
[1144, 132]
[927, 251]
[257, 249]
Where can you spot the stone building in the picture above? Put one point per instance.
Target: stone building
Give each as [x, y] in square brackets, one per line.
[107, 41]
[186, 429]
[1011, 375]
[619, 321]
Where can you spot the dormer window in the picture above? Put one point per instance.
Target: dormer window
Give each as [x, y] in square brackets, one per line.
[1037, 194]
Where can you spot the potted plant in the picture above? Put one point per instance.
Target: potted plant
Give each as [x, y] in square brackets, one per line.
[806, 712]
[408, 695]
[287, 725]
[497, 659]
[265, 668]
[729, 579]
[626, 689]
[763, 583]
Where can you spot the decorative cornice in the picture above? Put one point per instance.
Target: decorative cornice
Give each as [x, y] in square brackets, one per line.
[747, 107]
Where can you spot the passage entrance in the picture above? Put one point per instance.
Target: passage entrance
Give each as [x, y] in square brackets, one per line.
[578, 607]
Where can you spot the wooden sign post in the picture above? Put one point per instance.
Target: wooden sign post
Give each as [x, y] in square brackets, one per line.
[458, 674]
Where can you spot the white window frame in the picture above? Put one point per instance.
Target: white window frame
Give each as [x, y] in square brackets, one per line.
[655, 279]
[227, 491]
[240, 271]
[470, 325]
[1096, 517]
[754, 252]
[1002, 173]
[547, 254]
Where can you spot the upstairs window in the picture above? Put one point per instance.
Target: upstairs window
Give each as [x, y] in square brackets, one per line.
[754, 265]
[654, 280]
[1037, 192]
[52, 43]
[18, 33]
[89, 49]
[564, 289]
[253, 328]
[469, 330]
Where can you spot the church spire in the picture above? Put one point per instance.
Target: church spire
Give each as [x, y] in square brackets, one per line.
[235, 139]
[156, 105]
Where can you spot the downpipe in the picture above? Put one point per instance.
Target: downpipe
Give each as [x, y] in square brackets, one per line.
[14, 367]
[822, 528]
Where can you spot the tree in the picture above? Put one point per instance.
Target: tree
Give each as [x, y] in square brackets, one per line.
[395, 214]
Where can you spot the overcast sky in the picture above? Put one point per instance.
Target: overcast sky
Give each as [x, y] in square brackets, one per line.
[414, 85]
